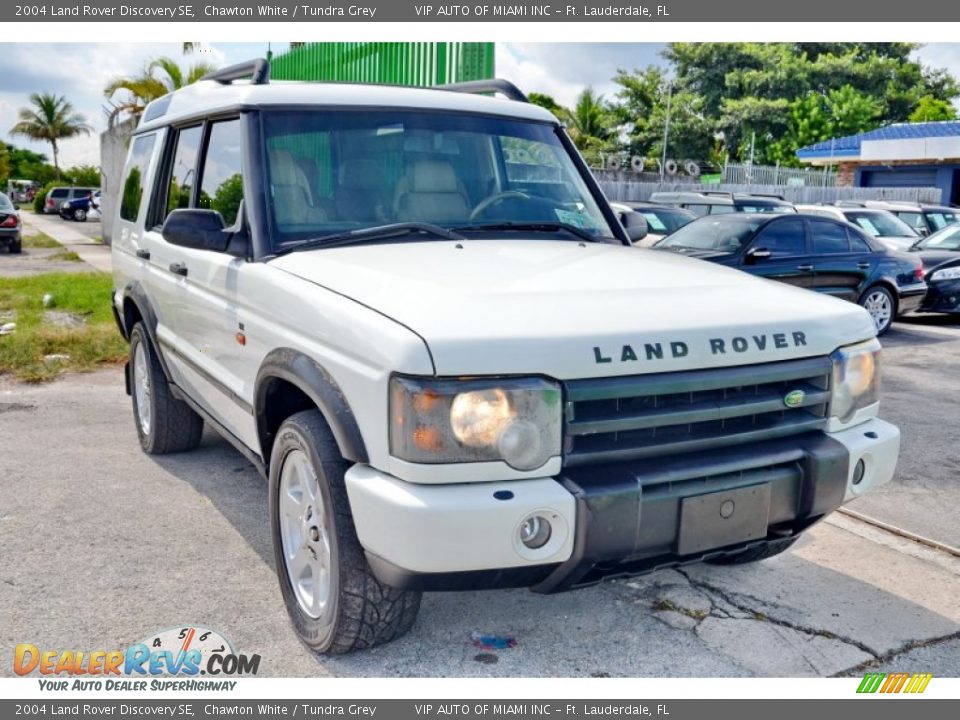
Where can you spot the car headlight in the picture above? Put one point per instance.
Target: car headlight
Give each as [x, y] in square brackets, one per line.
[516, 420]
[952, 273]
[856, 379]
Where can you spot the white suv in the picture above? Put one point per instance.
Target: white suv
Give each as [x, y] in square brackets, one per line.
[415, 313]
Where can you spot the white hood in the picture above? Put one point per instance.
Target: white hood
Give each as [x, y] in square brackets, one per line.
[565, 310]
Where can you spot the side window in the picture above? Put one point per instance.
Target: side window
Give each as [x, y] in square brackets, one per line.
[132, 194]
[183, 173]
[722, 209]
[828, 238]
[858, 244]
[698, 210]
[782, 238]
[221, 187]
[914, 220]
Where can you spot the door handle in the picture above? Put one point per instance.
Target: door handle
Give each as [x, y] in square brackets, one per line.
[863, 265]
[805, 268]
[178, 269]
[143, 254]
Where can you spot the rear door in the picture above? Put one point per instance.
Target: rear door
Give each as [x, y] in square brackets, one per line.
[789, 260]
[842, 261]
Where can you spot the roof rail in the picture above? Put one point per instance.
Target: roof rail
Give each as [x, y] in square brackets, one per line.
[851, 203]
[257, 70]
[716, 193]
[773, 196]
[494, 85]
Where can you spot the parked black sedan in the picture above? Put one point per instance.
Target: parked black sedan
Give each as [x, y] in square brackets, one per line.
[940, 254]
[818, 253]
[9, 224]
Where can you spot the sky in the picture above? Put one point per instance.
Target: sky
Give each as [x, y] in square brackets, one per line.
[81, 70]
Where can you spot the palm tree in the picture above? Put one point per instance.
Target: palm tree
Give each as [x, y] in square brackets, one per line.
[159, 77]
[51, 119]
[590, 119]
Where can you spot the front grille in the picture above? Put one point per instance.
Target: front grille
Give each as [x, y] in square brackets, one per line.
[644, 416]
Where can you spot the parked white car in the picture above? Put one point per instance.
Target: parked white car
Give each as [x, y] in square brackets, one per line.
[414, 311]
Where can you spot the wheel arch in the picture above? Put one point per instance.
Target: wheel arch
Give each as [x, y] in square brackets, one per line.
[289, 381]
[887, 284]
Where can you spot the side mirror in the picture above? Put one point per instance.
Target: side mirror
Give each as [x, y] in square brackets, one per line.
[760, 253]
[635, 224]
[197, 229]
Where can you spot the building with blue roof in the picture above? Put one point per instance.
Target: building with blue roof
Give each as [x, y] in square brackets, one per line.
[925, 154]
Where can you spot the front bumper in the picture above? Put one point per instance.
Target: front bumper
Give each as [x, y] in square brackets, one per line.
[942, 297]
[612, 520]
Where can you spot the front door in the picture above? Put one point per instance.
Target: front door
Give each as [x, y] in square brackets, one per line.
[842, 261]
[779, 252]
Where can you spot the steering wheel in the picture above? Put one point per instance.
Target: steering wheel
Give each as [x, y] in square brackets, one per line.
[494, 199]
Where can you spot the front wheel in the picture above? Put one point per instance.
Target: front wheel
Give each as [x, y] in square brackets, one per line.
[334, 601]
[80, 215]
[879, 302]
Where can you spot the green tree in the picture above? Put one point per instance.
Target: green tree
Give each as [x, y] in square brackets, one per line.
[50, 118]
[164, 75]
[931, 109]
[83, 175]
[5, 167]
[749, 89]
[547, 102]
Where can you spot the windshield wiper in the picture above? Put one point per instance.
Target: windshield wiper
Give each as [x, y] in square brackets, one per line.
[378, 232]
[551, 227]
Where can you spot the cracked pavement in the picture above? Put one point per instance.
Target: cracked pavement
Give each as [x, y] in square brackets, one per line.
[103, 545]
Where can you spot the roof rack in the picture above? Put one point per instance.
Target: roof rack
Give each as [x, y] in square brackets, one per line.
[851, 203]
[257, 70]
[494, 85]
[773, 196]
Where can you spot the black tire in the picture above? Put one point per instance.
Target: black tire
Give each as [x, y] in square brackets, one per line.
[872, 292]
[755, 554]
[361, 611]
[80, 215]
[16, 247]
[173, 425]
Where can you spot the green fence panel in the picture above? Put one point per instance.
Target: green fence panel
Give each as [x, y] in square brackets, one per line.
[419, 64]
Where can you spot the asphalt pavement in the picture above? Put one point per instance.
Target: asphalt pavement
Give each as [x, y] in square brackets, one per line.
[103, 545]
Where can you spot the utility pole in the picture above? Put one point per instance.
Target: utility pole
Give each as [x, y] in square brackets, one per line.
[666, 133]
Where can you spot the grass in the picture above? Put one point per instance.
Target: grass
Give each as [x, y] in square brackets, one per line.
[84, 294]
[64, 256]
[40, 240]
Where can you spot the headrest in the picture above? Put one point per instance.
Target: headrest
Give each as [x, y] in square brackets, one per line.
[433, 176]
[283, 168]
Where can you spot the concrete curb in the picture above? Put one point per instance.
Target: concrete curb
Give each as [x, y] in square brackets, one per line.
[90, 252]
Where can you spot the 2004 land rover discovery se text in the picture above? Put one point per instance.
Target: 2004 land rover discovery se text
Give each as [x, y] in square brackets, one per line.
[414, 311]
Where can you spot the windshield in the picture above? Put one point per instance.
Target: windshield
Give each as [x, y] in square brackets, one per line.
[946, 239]
[336, 172]
[662, 222]
[881, 224]
[5, 203]
[727, 235]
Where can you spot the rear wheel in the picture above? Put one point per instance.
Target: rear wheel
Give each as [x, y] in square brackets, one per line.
[879, 302]
[15, 246]
[755, 554]
[334, 601]
[164, 424]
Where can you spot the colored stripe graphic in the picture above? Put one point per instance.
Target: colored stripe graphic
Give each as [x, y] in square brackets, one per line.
[894, 683]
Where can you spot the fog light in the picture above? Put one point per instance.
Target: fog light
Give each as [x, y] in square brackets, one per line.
[535, 532]
[858, 472]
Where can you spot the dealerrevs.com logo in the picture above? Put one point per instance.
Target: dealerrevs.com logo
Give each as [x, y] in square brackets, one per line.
[183, 652]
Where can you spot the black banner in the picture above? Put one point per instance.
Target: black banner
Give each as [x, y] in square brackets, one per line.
[524, 11]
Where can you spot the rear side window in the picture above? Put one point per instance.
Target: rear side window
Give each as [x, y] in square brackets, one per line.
[221, 188]
[828, 238]
[132, 194]
[783, 237]
[183, 174]
[913, 219]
